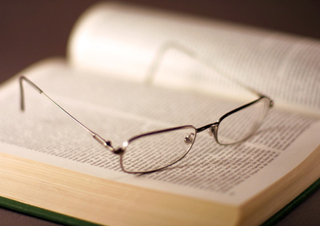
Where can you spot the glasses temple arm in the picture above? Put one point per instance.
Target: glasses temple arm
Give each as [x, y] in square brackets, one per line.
[163, 49]
[96, 136]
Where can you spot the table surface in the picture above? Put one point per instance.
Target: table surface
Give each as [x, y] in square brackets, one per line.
[37, 29]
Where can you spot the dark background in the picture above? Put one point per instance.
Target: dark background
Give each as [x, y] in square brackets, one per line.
[36, 29]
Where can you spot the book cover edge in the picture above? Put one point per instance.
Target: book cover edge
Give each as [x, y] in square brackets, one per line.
[293, 204]
[68, 220]
[42, 213]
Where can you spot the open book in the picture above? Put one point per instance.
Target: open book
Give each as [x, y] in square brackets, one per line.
[130, 71]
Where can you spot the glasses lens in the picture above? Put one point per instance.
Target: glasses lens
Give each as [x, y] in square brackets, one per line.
[241, 124]
[156, 150]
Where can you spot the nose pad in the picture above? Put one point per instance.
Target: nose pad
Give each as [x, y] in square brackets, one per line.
[189, 138]
[210, 131]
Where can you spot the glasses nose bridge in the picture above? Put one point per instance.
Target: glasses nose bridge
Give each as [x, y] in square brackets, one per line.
[212, 128]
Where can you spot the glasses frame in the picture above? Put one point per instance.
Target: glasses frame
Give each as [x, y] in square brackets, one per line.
[212, 130]
[212, 127]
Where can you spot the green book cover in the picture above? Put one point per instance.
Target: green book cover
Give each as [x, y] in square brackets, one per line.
[293, 204]
[42, 213]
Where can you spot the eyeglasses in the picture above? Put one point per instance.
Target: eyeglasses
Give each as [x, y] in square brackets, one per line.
[159, 149]
[156, 150]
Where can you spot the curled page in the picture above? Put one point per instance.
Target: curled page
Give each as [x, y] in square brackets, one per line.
[124, 40]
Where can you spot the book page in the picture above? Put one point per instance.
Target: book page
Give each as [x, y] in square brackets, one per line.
[123, 41]
[118, 110]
